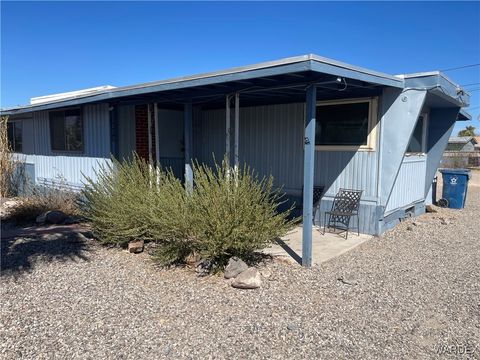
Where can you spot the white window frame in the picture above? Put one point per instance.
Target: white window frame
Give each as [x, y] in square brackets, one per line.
[424, 137]
[372, 125]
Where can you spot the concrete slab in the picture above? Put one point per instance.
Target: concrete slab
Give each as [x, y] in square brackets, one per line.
[324, 247]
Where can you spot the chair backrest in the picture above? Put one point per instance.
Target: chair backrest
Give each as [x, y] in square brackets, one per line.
[317, 194]
[347, 201]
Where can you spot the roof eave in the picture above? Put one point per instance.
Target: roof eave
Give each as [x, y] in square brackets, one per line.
[284, 66]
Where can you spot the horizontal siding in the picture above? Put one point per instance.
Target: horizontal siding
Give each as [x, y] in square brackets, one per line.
[271, 142]
[68, 169]
[409, 186]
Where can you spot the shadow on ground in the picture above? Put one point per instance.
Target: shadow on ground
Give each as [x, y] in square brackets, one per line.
[23, 248]
[289, 250]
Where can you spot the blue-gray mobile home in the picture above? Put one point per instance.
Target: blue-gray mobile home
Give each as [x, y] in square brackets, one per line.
[308, 121]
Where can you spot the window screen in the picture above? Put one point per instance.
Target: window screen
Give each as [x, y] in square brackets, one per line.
[15, 136]
[66, 130]
[342, 124]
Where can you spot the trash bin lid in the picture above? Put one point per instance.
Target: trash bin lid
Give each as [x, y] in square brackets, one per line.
[455, 171]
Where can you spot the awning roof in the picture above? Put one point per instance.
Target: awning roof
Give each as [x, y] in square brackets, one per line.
[299, 68]
[284, 80]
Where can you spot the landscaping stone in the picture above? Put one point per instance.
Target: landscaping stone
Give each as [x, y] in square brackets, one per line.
[444, 221]
[41, 218]
[248, 279]
[266, 273]
[203, 267]
[135, 247]
[55, 217]
[69, 220]
[234, 267]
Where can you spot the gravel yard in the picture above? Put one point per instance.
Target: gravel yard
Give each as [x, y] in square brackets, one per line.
[399, 296]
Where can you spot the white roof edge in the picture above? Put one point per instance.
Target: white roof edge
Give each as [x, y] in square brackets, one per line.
[428, 73]
[44, 99]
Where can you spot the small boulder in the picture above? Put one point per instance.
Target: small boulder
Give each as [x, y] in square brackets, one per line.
[41, 218]
[266, 273]
[444, 221]
[70, 220]
[55, 217]
[234, 267]
[135, 247]
[248, 279]
[203, 267]
[430, 209]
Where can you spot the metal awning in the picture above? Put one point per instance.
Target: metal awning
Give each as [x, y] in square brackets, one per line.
[290, 75]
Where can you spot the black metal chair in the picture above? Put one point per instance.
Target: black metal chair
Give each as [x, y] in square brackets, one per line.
[345, 206]
[317, 196]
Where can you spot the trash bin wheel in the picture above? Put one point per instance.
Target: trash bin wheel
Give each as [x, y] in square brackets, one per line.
[443, 203]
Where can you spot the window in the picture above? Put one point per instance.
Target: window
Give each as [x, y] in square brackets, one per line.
[417, 142]
[15, 136]
[346, 124]
[66, 130]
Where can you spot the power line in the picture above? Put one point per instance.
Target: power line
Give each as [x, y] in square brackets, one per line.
[461, 67]
[471, 84]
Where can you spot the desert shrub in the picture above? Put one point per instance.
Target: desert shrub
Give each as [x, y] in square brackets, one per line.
[116, 202]
[12, 176]
[234, 213]
[225, 214]
[42, 199]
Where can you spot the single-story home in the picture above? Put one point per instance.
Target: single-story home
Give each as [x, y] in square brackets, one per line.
[307, 120]
[461, 143]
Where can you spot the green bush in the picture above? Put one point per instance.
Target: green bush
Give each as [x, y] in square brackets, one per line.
[234, 214]
[225, 214]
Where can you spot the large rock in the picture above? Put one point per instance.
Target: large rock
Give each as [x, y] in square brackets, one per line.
[135, 246]
[234, 267]
[248, 279]
[55, 217]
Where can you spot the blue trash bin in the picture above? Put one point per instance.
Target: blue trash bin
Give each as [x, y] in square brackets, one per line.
[455, 186]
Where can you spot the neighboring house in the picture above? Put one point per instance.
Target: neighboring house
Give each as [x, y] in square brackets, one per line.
[461, 143]
[306, 120]
[477, 145]
[461, 152]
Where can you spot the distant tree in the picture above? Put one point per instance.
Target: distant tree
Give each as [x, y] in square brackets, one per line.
[468, 131]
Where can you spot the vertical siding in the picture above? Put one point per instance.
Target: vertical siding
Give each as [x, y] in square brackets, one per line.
[97, 130]
[367, 217]
[409, 186]
[52, 165]
[271, 142]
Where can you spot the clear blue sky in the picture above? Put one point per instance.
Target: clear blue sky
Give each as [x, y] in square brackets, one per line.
[60, 46]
